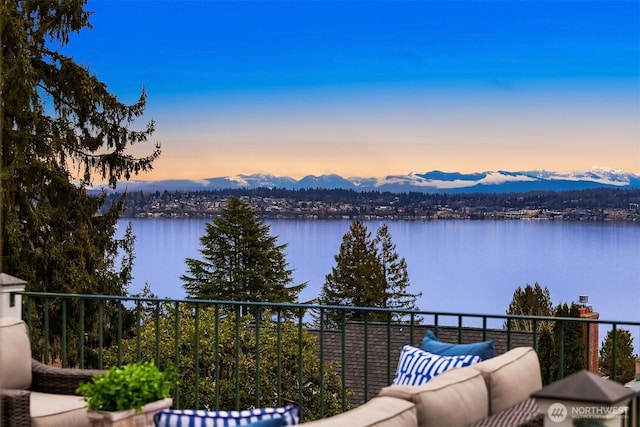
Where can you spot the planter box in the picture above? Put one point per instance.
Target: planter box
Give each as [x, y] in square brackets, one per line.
[129, 418]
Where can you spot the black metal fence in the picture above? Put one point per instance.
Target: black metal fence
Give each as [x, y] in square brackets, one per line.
[234, 354]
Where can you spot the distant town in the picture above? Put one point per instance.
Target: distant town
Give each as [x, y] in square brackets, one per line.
[580, 205]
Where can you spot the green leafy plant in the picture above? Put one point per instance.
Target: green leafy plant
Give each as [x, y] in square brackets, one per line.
[128, 387]
[211, 381]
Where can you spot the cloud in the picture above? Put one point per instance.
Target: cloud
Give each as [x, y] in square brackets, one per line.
[490, 178]
[497, 178]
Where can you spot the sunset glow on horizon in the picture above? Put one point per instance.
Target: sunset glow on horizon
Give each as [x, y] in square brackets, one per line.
[374, 88]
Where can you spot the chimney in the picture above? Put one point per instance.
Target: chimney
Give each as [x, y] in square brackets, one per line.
[638, 370]
[590, 333]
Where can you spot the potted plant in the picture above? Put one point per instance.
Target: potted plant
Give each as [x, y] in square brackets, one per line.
[129, 395]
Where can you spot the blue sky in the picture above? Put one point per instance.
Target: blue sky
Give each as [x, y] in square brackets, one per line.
[370, 88]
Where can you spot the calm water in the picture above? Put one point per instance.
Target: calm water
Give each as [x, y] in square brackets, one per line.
[459, 266]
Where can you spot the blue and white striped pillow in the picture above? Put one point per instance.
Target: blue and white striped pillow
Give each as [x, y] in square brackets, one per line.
[290, 415]
[417, 366]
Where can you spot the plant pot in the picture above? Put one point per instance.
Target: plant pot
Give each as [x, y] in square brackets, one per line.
[129, 418]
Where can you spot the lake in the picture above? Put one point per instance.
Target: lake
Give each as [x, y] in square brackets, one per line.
[459, 266]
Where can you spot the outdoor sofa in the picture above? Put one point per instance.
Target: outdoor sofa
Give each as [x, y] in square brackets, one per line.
[490, 392]
[494, 392]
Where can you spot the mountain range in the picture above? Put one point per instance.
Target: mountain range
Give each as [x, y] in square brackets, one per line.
[430, 182]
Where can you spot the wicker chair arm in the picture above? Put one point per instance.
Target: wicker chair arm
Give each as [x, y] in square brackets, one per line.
[51, 379]
[15, 408]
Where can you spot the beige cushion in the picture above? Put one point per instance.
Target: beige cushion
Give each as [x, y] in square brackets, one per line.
[379, 412]
[15, 354]
[510, 377]
[58, 410]
[457, 397]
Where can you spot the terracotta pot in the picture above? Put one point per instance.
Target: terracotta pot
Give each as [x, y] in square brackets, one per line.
[129, 418]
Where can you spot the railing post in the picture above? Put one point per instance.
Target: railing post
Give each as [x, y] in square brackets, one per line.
[614, 347]
[343, 358]
[11, 303]
[633, 415]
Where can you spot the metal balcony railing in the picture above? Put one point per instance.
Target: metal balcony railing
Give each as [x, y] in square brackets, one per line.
[237, 354]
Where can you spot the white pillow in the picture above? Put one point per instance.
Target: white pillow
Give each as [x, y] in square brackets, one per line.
[417, 366]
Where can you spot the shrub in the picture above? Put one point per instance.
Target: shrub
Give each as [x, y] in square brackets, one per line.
[128, 387]
[222, 367]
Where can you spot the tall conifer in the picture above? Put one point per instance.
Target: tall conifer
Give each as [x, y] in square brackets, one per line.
[368, 273]
[568, 341]
[61, 131]
[530, 301]
[625, 360]
[357, 280]
[545, 351]
[396, 276]
[240, 261]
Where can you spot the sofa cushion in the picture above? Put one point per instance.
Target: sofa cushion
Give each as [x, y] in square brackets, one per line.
[57, 410]
[379, 412]
[417, 366]
[510, 377]
[15, 354]
[186, 417]
[484, 349]
[457, 397]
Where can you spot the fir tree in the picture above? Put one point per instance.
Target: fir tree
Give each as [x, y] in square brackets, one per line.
[568, 341]
[395, 274]
[625, 361]
[368, 273]
[530, 301]
[61, 130]
[357, 280]
[240, 261]
[545, 352]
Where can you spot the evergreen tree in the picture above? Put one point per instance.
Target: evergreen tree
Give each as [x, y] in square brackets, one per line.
[545, 352]
[530, 301]
[357, 280]
[61, 130]
[368, 273]
[625, 361]
[395, 274]
[568, 341]
[240, 261]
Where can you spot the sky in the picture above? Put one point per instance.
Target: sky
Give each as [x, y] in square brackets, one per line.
[374, 88]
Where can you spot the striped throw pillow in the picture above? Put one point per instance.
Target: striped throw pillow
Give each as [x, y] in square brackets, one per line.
[417, 366]
[289, 415]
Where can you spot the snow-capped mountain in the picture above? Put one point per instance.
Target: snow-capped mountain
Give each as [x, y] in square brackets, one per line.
[429, 182]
